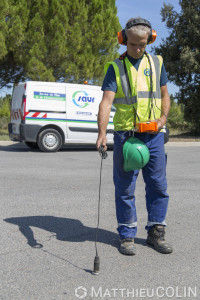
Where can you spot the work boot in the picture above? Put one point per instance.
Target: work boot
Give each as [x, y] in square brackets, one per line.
[156, 238]
[127, 246]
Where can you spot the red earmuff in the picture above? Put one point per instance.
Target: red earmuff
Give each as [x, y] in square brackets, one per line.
[121, 35]
[153, 37]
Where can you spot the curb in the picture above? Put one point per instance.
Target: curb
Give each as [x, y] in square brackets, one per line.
[169, 144]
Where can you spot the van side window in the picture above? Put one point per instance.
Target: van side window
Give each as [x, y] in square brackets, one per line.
[113, 108]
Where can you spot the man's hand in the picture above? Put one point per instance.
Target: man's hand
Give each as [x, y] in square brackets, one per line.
[101, 140]
[160, 124]
[165, 107]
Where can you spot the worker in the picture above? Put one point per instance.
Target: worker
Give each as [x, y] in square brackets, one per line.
[136, 84]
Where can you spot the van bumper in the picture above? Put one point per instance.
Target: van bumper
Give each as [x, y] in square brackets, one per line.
[26, 132]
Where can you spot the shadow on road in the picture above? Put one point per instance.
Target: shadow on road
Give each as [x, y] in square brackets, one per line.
[64, 229]
[17, 147]
[21, 147]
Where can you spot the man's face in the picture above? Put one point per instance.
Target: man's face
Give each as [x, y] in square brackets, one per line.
[136, 44]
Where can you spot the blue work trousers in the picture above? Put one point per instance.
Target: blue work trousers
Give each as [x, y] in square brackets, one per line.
[154, 175]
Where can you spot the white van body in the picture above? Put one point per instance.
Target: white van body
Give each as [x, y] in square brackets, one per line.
[51, 114]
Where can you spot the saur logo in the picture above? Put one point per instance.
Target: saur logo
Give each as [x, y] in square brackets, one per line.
[147, 72]
[82, 99]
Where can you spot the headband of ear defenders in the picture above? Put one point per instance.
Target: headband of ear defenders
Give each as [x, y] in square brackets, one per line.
[122, 38]
[138, 21]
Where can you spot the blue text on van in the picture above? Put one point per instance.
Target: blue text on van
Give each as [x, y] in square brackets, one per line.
[86, 99]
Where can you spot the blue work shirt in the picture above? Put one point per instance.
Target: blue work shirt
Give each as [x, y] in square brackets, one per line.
[110, 84]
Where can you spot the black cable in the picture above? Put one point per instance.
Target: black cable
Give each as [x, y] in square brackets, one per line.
[160, 109]
[151, 87]
[96, 269]
[98, 206]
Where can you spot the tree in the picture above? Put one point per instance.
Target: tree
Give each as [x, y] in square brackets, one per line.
[181, 55]
[56, 40]
[5, 104]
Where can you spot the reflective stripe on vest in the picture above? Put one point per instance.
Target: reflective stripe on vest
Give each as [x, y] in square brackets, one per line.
[128, 99]
[136, 105]
[141, 94]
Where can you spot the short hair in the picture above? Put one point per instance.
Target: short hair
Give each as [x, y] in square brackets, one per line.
[138, 29]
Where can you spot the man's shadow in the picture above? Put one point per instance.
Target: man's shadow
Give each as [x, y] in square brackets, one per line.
[64, 229]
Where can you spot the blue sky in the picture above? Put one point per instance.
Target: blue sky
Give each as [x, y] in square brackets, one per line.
[150, 10]
[147, 9]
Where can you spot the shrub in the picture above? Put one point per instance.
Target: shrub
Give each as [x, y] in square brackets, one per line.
[176, 116]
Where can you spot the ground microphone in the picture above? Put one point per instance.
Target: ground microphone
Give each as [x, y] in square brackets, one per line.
[96, 270]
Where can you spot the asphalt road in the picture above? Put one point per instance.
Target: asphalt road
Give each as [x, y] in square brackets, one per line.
[48, 219]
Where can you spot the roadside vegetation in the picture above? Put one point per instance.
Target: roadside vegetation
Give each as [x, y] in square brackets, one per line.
[180, 52]
[5, 104]
[176, 121]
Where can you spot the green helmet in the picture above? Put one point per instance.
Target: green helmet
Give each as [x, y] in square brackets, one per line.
[136, 154]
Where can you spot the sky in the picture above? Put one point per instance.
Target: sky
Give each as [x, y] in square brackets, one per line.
[150, 10]
[147, 9]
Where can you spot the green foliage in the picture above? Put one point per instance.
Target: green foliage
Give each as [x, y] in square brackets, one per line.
[56, 40]
[5, 104]
[176, 116]
[181, 55]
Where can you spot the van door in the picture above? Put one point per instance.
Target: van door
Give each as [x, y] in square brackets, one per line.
[82, 104]
[17, 112]
[46, 104]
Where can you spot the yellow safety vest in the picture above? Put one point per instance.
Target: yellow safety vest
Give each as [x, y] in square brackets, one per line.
[140, 99]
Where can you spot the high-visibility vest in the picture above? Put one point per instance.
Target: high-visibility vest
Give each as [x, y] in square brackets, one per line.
[140, 99]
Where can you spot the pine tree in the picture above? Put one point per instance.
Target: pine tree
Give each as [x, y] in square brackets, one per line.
[181, 55]
[56, 40]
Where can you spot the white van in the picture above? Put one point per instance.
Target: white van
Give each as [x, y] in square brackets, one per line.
[50, 114]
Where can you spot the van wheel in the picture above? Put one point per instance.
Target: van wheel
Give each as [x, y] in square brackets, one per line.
[31, 145]
[49, 140]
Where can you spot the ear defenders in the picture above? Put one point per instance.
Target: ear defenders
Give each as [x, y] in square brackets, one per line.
[122, 38]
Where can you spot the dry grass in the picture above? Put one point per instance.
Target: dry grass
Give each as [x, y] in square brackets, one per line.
[175, 136]
[183, 136]
[4, 136]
